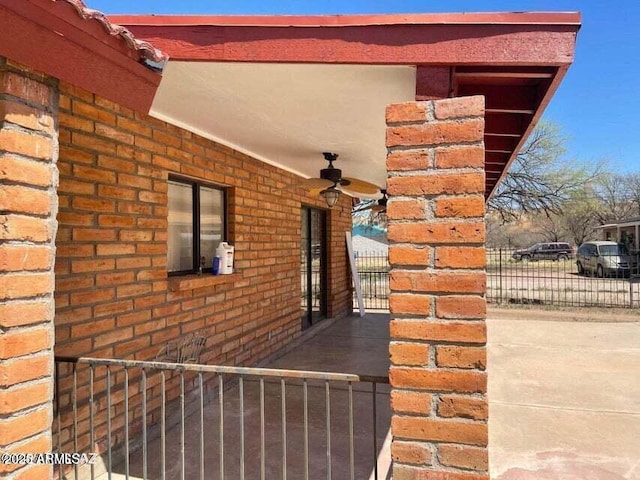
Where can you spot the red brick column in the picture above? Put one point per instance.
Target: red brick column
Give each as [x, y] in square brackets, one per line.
[28, 204]
[436, 236]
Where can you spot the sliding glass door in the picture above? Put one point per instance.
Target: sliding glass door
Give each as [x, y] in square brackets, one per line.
[313, 265]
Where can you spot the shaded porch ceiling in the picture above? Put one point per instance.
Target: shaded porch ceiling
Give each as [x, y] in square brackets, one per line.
[285, 89]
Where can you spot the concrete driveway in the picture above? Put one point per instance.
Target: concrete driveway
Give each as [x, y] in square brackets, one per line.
[564, 396]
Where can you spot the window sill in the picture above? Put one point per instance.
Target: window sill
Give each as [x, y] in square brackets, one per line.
[189, 282]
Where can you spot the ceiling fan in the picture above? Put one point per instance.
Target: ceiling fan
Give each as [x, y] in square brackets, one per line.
[381, 205]
[331, 183]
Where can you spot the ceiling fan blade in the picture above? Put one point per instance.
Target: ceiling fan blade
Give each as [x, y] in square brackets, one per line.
[313, 184]
[361, 196]
[374, 207]
[360, 186]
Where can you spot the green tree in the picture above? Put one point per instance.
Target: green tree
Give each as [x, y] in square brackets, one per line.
[541, 179]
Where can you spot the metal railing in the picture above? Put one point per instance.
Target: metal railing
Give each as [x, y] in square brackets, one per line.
[176, 421]
[373, 273]
[557, 283]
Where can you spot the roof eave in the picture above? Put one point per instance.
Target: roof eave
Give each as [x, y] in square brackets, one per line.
[63, 40]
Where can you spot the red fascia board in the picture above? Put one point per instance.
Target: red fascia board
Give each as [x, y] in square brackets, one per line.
[515, 18]
[403, 44]
[52, 39]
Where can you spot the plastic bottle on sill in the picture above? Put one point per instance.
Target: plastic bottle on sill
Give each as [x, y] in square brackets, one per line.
[225, 252]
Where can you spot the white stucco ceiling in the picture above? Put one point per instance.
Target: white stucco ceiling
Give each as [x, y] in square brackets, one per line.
[287, 114]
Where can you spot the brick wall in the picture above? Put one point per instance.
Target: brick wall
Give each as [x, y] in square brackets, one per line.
[436, 236]
[28, 178]
[113, 296]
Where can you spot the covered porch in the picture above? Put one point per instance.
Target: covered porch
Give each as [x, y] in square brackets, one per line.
[319, 402]
[100, 138]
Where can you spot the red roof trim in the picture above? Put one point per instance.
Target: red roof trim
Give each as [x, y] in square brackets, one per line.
[53, 37]
[526, 18]
[144, 49]
[497, 44]
[526, 53]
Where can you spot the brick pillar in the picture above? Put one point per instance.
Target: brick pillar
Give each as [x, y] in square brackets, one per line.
[436, 237]
[28, 205]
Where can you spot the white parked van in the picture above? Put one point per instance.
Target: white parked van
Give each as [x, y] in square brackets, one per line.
[604, 258]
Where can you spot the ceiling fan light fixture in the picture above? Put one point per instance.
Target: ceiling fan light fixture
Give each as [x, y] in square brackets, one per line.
[330, 196]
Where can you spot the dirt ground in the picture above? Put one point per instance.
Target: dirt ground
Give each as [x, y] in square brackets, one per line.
[564, 314]
[543, 286]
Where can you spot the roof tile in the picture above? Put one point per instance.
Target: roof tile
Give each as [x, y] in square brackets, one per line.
[153, 57]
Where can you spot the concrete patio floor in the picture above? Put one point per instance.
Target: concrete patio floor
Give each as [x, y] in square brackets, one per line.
[564, 395]
[563, 388]
[350, 345]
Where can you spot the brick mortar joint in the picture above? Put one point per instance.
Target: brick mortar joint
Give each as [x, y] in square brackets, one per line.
[448, 343]
[23, 442]
[435, 171]
[439, 321]
[432, 257]
[27, 243]
[28, 186]
[46, 406]
[15, 128]
[22, 273]
[51, 109]
[432, 119]
[412, 267]
[436, 395]
[423, 146]
[49, 216]
[431, 111]
[437, 221]
[438, 398]
[439, 343]
[44, 380]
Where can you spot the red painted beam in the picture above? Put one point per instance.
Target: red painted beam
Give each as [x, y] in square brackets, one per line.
[433, 83]
[388, 44]
[51, 38]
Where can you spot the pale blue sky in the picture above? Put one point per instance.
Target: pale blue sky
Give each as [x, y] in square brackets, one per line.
[597, 106]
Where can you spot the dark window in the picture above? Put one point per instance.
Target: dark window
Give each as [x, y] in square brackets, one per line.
[197, 225]
[614, 250]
